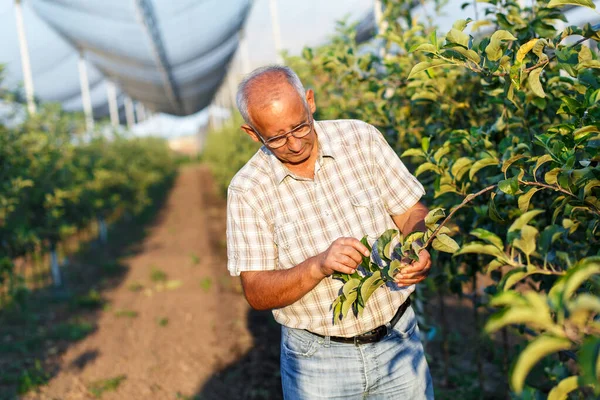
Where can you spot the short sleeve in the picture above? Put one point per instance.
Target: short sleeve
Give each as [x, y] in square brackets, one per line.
[250, 245]
[399, 189]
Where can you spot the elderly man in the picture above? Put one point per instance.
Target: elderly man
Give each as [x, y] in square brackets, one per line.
[294, 215]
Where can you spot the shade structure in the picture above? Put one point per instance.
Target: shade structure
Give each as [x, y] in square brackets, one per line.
[170, 55]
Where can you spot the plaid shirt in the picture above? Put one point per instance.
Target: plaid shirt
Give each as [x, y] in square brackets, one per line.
[276, 220]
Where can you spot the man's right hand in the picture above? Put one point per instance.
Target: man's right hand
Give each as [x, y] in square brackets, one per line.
[344, 255]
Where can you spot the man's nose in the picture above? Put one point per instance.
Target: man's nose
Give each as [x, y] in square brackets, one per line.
[294, 144]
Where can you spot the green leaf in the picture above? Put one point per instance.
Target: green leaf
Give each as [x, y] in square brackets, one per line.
[370, 285]
[413, 153]
[348, 303]
[509, 298]
[588, 64]
[427, 166]
[534, 82]
[509, 186]
[492, 211]
[445, 243]
[561, 3]
[383, 240]
[395, 267]
[589, 361]
[433, 38]
[539, 348]
[488, 237]
[525, 199]
[366, 260]
[541, 160]
[588, 187]
[458, 37]
[582, 132]
[422, 66]
[442, 151]
[551, 177]
[506, 164]
[518, 315]
[524, 220]
[480, 248]
[425, 144]
[460, 167]
[579, 274]
[426, 47]
[513, 277]
[461, 24]
[526, 48]
[526, 243]
[468, 54]
[493, 50]
[564, 387]
[434, 216]
[479, 164]
[349, 286]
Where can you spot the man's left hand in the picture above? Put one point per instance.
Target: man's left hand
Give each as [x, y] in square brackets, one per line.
[415, 272]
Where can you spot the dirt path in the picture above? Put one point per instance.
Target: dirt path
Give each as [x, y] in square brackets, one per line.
[166, 335]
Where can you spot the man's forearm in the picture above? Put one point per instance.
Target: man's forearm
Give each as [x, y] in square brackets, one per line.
[266, 290]
[412, 220]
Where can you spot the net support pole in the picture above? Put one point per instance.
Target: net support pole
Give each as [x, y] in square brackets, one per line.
[380, 24]
[378, 14]
[276, 31]
[140, 111]
[111, 94]
[85, 94]
[25, 63]
[129, 114]
[244, 53]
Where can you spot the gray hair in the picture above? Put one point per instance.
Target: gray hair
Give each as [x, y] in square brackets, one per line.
[242, 92]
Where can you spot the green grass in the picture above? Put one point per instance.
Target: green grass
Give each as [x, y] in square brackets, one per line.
[32, 378]
[98, 388]
[206, 284]
[92, 300]
[135, 286]
[157, 275]
[71, 331]
[126, 313]
[195, 259]
[113, 268]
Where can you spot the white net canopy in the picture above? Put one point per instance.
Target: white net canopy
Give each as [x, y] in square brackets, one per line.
[170, 55]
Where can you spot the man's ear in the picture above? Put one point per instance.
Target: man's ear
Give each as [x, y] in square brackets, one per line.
[310, 99]
[246, 128]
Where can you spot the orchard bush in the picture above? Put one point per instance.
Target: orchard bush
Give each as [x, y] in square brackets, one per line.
[503, 120]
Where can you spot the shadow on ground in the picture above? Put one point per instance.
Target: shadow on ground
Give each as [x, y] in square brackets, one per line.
[255, 375]
[35, 332]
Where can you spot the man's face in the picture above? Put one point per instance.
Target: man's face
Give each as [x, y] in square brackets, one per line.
[282, 115]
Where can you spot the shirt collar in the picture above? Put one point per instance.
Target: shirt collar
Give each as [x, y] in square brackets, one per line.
[280, 172]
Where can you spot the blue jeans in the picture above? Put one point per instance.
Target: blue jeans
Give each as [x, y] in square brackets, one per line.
[313, 367]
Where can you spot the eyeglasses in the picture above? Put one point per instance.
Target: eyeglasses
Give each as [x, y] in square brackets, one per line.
[280, 140]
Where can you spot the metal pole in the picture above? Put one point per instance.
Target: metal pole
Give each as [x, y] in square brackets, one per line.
[25, 64]
[380, 24]
[129, 115]
[85, 94]
[378, 14]
[111, 93]
[276, 31]
[140, 112]
[244, 53]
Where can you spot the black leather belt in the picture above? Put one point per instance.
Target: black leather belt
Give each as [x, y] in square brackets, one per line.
[376, 334]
